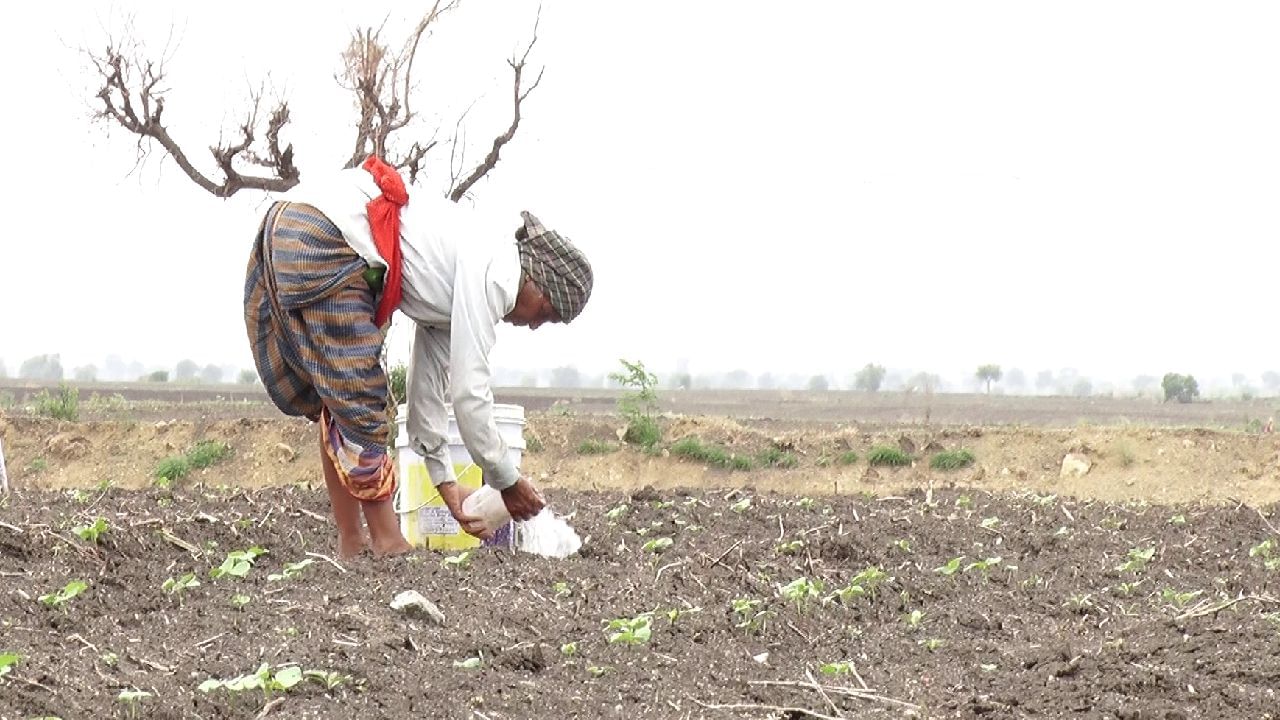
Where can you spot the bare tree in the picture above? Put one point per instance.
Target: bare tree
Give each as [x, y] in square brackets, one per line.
[133, 85]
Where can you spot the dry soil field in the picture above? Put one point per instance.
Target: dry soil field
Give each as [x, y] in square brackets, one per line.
[814, 583]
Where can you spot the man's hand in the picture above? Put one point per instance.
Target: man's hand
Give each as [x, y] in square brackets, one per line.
[523, 500]
[453, 495]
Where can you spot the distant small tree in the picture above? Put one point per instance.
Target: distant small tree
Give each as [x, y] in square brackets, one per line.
[1015, 379]
[869, 378]
[158, 376]
[185, 371]
[1271, 379]
[1238, 380]
[1182, 388]
[211, 374]
[766, 381]
[1044, 380]
[924, 382]
[41, 367]
[566, 376]
[740, 379]
[247, 377]
[85, 373]
[989, 374]
[818, 383]
[681, 381]
[1083, 387]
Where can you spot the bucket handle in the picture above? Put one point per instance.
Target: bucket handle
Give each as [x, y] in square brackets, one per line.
[401, 511]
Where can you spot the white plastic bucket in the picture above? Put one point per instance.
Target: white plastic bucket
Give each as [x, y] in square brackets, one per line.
[424, 519]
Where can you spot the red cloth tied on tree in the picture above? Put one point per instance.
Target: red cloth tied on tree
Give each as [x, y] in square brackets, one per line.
[384, 221]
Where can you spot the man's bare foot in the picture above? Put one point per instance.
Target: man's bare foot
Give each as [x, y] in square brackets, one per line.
[351, 547]
[396, 546]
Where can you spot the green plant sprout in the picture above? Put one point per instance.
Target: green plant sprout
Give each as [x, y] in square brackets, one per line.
[8, 661]
[91, 533]
[109, 659]
[888, 456]
[1178, 520]
[989, 523]
[847, 457]
[790, 548]
[1079, 603]
[330, 679]
[470, 663]
[805, 503]
[904, 545]
[457, 562]
[1268, 552]
[562, 589]
[964, 502]
[800, 591]
[843, 667]
[741, 506]
[952, 460]
[239, 601]
[639, 404]
[914, 619]
[657, 545]
[131, 699]
[177, 587]
[1043, 500]
[598, 671]
[237, 563]
[983, 565]
[1127, 589]
[569, 649]
[753, 621]
[630, 631]
[951, 567]
[291, 570]
[1179, 599]
[676, 613]
[63, 596]
[617, 512]
[1137, 560]
[282, 680]
[931, 644]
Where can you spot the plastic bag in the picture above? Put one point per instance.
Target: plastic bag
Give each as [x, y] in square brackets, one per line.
[547, 535]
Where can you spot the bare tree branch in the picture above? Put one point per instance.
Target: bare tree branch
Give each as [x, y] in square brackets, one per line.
[382, 82]
[132, 96]
[457, 191]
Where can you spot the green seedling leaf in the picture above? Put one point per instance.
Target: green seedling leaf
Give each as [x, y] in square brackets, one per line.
[931, 644]
[951, 568]
[983, 565]
[291, 570]
[843, 667]
[69, 591]
[91, 533]
[1178, 520]
[330, 679]
[801, 590]
[459, 561]
[904, 545]
[240, 601]
[237, 563]
[914, 619]
[657, 545]
[1179, 599]
[174, 587]
[132, 696]
[617, 512]
[804, 503]
[1137, 560]
[631, 631]
[286, 677]
[790, 548]
[741, 506]
[7, 662]
[562, 589]
[569, 649]
[989, 523]
[597, 671]
[742, 606]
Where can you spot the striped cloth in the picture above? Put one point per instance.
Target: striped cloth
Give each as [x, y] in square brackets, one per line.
[558, 268]
[309, 317]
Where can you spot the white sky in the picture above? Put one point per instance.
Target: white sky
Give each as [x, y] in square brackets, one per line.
[804, 186]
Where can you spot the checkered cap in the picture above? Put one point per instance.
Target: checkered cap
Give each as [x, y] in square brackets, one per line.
[558, 268]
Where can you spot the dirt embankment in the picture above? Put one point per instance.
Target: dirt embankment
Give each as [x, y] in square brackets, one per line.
[1154, 464]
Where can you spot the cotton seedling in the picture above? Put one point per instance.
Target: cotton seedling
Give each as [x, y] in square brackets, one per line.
[744, 606]
[562, 589]
[91, 532]
[1079, 603]
[569, 649]
[330, 679]
[931, 644]
[675, 613]
[238, 600]
[131, 698]
[180, 585]
[790, 548]
[1136, 560]
[657, 545]
[989, 523]
[914, 619]
[1043, 500]
[951, 567]
[617, 512]
[109, 659]
[1126, 589]
[1179, 599]
[1178, 520]
[237, 563]
[598, 671]
[630, 631]
[1268, 552]
[903, 545]
[800, 591]
[983, 565]
[63, 596]
[291, 570]
[863, 584]
[843, 667]
[7, 662]
[741, 506]
[804, 503]
[283, 679]
[457, 562]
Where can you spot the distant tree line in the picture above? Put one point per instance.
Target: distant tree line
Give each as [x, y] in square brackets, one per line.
[49, 368]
